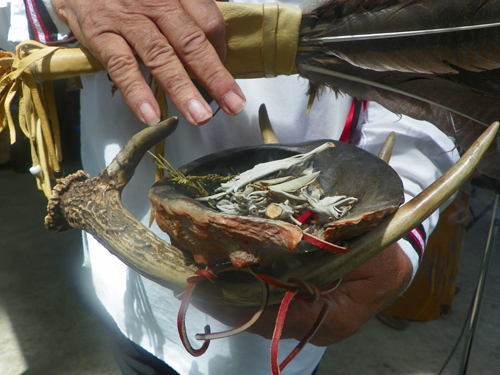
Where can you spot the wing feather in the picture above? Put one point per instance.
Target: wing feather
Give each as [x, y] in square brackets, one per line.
[434, 60]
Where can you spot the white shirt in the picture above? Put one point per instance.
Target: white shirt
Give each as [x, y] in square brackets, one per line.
[146, 312]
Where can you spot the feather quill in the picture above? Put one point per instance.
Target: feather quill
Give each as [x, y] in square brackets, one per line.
[434, 60]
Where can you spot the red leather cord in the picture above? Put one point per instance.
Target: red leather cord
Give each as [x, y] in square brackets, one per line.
[181, 326]
[294, 286]
[278, 328]
[200, 275]
[244, 327]
[309, 335]
[280, 321]
[305, 216]
[325, 245]
[312, 293]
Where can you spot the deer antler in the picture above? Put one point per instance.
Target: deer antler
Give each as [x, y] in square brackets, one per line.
[94, 205]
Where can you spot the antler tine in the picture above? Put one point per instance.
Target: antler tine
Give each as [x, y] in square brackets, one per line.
[386, 150]
[330, 267]
[94, 206]
[135, 245]
[266, 129]
[122, 168]
[403, 220]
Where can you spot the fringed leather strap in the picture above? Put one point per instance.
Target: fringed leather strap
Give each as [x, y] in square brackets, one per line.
[37, 113]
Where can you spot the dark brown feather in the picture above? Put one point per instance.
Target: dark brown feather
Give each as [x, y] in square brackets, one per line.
[450, 79]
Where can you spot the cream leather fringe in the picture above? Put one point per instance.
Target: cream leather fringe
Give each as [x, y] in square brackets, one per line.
[37, 112]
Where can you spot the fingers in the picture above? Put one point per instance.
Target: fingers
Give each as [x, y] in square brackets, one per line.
[172, 38]
[161, 59]
[95, 26]
[200, 58]
[210, 20]
[123, 68]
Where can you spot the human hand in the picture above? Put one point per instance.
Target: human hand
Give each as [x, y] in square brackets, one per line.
[363, 293]
[169, 36]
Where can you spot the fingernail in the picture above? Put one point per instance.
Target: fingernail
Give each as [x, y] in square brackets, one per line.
[234, 102]
[198, 112]
[148, 114]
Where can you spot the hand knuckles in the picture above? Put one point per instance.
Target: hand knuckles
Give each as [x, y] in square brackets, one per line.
[129, 88]
[156, 54]
[179, 87]
[126, 82]
[119, 65]
[121, 70]
[193, 43]
[215, 77]
[214, 27]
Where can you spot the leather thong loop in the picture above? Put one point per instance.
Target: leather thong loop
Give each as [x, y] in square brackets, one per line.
[312, 294]
[207, 336]
[244, 327]
[298, 289]
[181, 315]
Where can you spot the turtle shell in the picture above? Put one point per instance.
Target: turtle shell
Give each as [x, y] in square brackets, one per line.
[215, 237]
